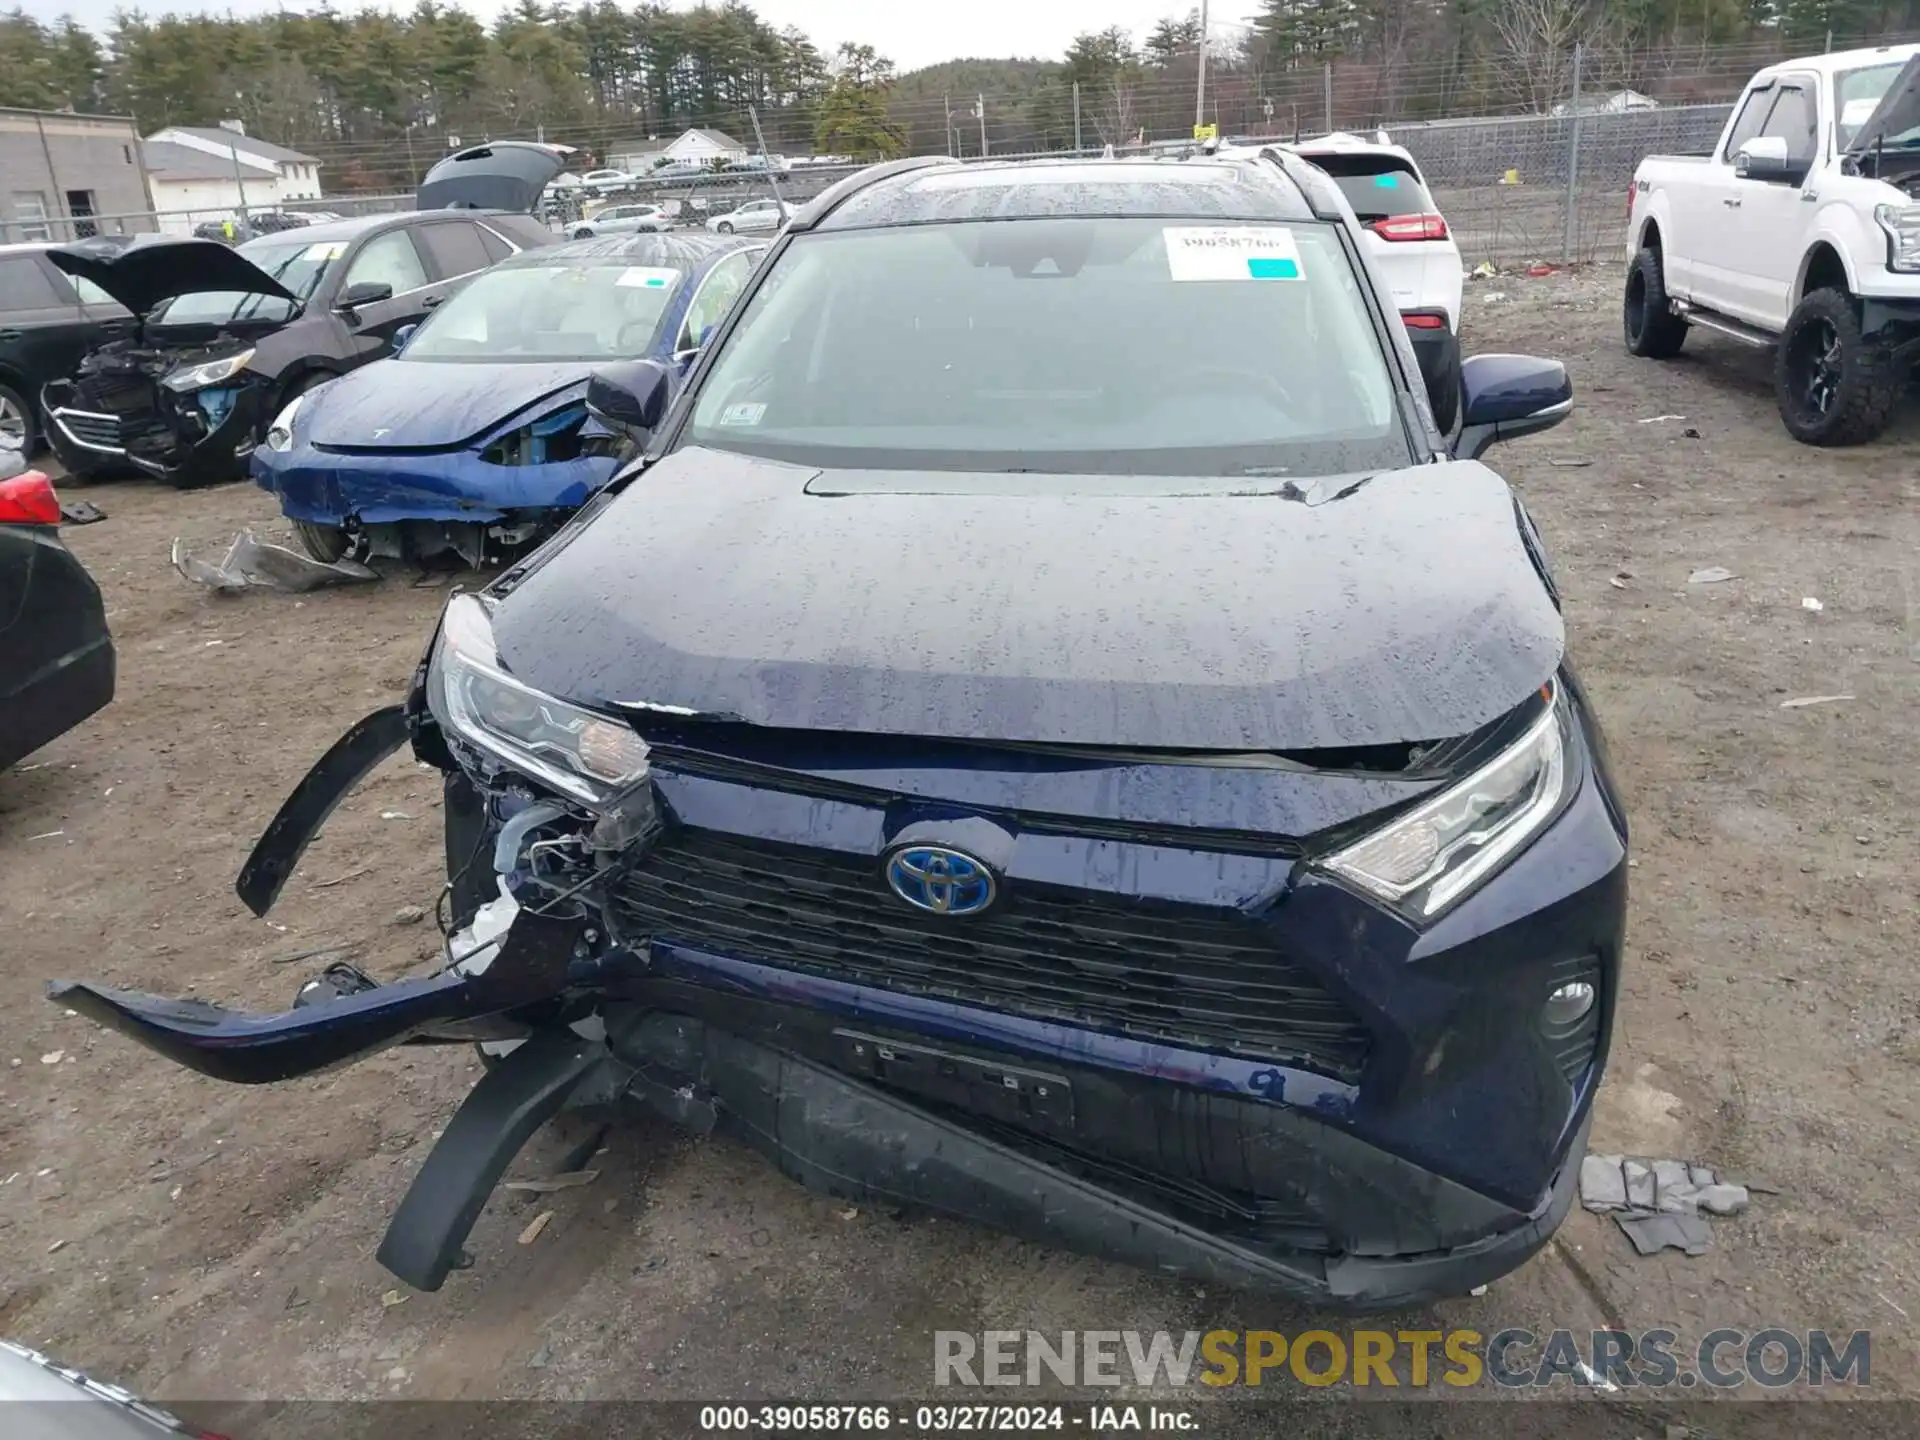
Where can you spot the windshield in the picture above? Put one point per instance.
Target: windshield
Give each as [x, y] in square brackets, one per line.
[595, 311]
[1076, 346]
[296, 264]
[1858, 94]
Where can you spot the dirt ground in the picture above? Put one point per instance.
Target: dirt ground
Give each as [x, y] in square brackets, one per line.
[199, 1240]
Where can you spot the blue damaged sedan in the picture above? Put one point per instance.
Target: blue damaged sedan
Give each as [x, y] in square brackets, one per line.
[475, 438]
[1050, 734]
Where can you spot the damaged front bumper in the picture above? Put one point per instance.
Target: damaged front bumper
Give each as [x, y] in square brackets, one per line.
[1255, 1174]
[194, 438]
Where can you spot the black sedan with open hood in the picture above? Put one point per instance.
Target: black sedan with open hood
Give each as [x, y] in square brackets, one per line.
[227, 336]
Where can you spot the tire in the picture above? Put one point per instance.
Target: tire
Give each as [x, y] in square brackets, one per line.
[17, 424]
[1833, 384]
[725, 227]
[1653, 331]
[325, 543]
[1446, 407]
[584, 232]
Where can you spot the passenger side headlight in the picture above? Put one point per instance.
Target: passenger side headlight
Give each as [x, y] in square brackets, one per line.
[1441, 850]
[198, 377]
[584, 756]
[1901, 223]
[280, 432]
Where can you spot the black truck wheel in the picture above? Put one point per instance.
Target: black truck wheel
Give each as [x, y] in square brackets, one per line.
[1653, 331]
[1835, 385]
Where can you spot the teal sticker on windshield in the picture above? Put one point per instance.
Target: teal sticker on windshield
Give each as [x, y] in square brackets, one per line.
[647, 277]
[1268, 268]
[1387, 182]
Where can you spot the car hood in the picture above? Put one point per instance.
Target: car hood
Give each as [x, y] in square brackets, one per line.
[1899, 109]
[144, 275]
[503, 175]
[426, 405]
[1212, 615]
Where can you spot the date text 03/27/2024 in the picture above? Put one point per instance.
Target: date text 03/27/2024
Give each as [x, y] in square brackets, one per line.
[946, 1419]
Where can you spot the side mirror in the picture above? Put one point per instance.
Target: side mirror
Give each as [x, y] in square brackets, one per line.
[1765, 158]
[1505, 396]
[630, 397]
[401, 336]
[364, 292]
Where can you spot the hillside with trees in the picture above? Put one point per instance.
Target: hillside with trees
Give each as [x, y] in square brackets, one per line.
[377, 96]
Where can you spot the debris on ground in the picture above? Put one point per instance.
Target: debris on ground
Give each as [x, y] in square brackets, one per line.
[1493, 295]
[539, 1223]
[81, 512]
[253, 564]
[395, 815]
[391, 1299]
[409, 915]
[53, 1057]
[572, 1181]
[1805, 700]
[1656, 419]
[1808, 602]
[1571, 462]
[1537, 269]
[1618, 580]
[1712, 575]
[1659, 1204]
[541, 1358]
[1484, 270]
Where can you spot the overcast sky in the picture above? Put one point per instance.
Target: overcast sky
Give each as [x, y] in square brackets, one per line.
[910, 32]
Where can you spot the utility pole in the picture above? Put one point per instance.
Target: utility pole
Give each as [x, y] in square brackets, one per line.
[1076, 117]
[1326, 73]
[947, 100]
[239, 181]
[1200, 85]
[980, 109]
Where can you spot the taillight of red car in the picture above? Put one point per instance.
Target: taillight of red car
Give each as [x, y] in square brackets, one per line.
[28, 499]
[1409, 227]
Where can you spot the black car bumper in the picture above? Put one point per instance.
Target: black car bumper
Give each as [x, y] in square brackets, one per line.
[1437, 348]
[177, 441]
[56, 656]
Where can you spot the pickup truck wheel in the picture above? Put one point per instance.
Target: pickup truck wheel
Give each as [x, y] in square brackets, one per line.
[1834, 384]
[1654, 332]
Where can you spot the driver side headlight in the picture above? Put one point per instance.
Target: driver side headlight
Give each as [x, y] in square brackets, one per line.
[1441, 850]
[198, 377]
[584, 756]
[280, 432]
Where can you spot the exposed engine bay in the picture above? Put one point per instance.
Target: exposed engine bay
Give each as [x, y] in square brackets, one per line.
[118, 406]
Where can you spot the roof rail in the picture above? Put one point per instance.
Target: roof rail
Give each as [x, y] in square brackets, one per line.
[1315, 186]
[829, 199]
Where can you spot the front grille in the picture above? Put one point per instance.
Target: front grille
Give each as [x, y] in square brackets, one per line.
[102, 431]
[129, 395]
[1180, 974]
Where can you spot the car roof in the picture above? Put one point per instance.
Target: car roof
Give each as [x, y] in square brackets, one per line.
[1833, 64]
[1200, 188]
[681, 250]
[1343, 144]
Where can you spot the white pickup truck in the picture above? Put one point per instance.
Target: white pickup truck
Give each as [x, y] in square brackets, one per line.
[1802, 232]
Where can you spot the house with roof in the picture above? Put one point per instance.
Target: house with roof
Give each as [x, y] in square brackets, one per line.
[701, 147]
[200, 173]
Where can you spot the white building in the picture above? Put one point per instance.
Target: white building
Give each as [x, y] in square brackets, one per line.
[212, 172]
[698, 147]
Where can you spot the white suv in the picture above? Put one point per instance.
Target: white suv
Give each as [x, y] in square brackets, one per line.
[1409, 246]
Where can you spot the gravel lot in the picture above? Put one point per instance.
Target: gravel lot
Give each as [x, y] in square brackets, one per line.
[198, 1240]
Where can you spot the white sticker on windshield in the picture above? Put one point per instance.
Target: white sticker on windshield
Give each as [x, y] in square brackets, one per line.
[648, 277]
[1231, 252]
[1858, 112]
[748, 412]
[325, 250]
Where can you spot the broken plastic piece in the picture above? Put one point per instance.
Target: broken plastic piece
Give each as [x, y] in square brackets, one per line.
[251, 564]
[1651, 1234]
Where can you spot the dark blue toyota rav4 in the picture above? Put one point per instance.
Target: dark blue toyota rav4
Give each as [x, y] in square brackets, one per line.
[1049, 734]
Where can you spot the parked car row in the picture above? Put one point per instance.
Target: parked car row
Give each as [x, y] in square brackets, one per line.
[1011, 735]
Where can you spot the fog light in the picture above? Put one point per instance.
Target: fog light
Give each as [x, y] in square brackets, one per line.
[1568, 1004]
